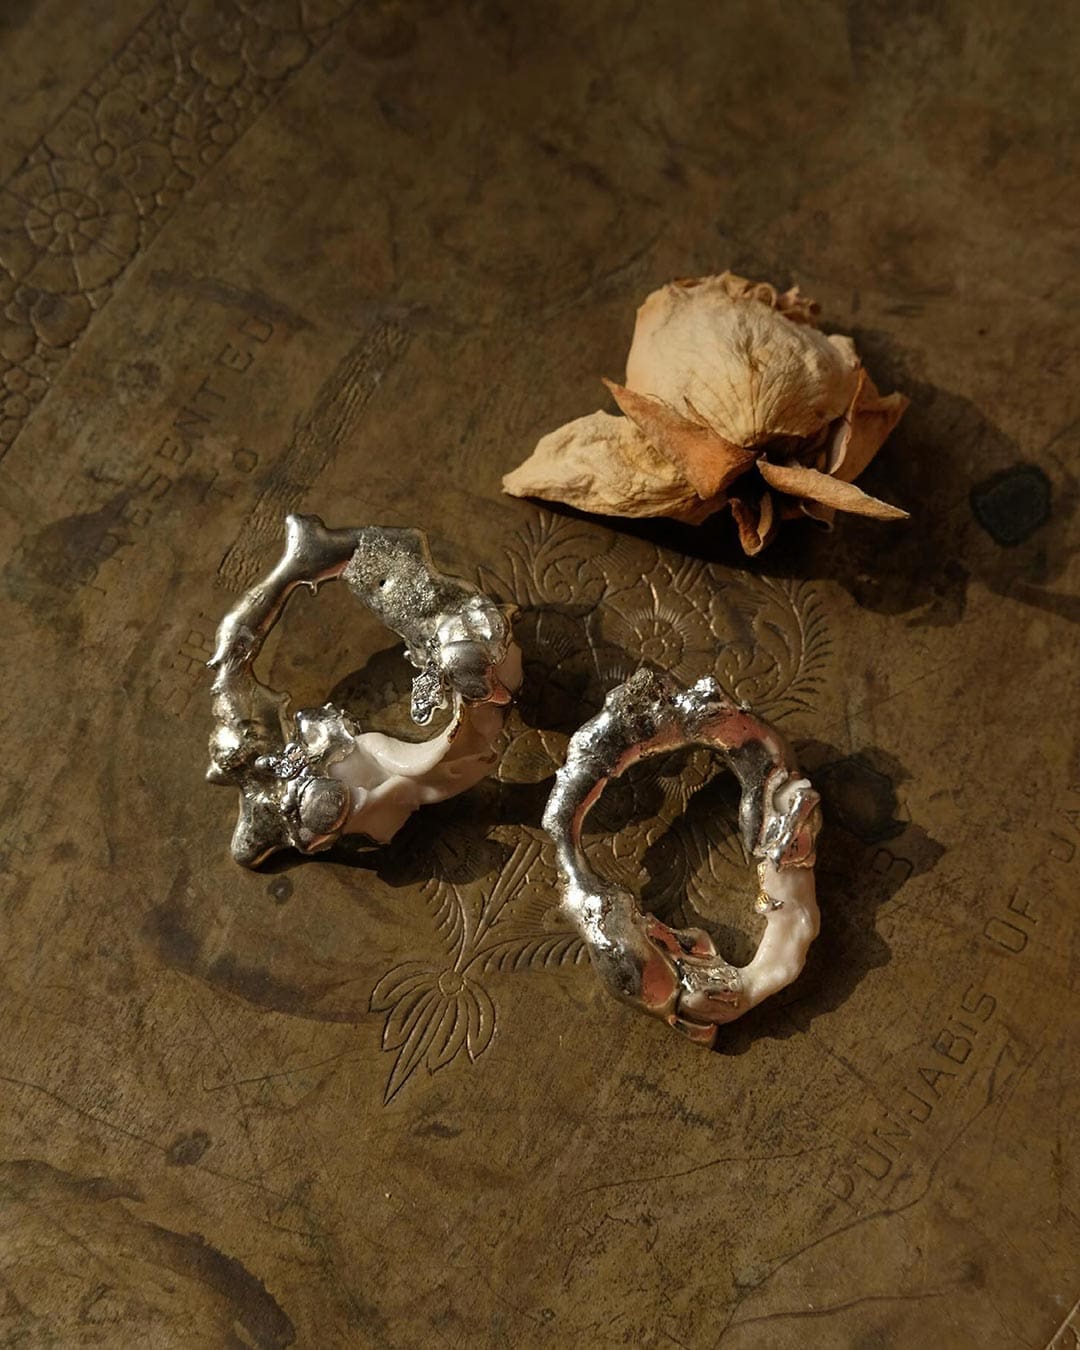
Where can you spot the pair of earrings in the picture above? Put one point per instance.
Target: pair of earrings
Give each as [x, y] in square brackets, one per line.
[327, 777]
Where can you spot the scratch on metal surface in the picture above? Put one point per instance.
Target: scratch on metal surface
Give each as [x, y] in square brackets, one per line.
[1067, 1336]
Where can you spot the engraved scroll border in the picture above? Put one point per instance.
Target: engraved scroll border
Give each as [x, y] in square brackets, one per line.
[100, 184]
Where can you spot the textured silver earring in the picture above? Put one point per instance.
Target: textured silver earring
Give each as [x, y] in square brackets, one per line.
[677, 975]
[303, 786]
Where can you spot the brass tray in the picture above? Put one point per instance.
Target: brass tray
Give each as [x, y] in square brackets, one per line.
[354, 259]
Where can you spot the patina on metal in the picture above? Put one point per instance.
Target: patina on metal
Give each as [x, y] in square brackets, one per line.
[306, 786]
[677, 975]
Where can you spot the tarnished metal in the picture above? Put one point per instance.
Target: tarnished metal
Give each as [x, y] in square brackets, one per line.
[677, 974]
[303, 787]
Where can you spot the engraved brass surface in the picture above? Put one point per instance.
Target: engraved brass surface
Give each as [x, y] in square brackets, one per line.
[354, 259]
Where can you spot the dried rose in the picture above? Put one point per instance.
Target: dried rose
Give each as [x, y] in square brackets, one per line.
[733, 397]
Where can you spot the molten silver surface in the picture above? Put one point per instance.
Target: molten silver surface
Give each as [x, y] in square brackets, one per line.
[677, 975]
[304, 785]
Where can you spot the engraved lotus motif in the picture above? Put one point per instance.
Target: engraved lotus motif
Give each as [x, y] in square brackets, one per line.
[433, 1015]
[67, 228]
[82, 223]
[652, 621]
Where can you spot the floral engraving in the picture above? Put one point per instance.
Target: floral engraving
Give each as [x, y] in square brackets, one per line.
[594, 605]
[106, 176]
[433, 1015]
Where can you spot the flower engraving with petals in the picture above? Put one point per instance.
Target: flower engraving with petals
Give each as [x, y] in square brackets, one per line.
[82, 221]
[433, 1014]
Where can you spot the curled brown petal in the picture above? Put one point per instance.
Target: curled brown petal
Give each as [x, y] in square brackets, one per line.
[823, 515]
[863, 429]
[813, 486]
[757, 521]
[711, 463]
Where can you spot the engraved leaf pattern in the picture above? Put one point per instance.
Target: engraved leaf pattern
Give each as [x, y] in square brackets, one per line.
[777, 662]
[447, 912]
[433, 1015]
[593, 605]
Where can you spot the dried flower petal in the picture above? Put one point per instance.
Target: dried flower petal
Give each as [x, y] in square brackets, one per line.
[749, 372]
[605, 465]
[863, 431]
[796, 510]
[709, 462]
[756, 520]
[815, 486]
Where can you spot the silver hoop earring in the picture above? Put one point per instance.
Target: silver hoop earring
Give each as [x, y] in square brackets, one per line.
[303, 786]
[678, 975]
